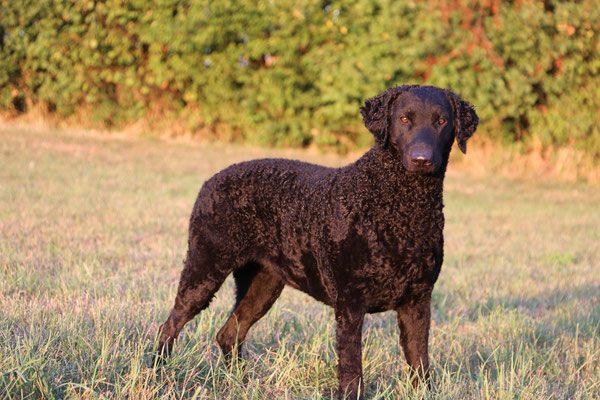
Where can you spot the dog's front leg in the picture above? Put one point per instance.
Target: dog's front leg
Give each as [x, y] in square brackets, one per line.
[414, 319]
[349, 348]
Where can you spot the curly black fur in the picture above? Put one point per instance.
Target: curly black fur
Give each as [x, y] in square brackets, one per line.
[364, 238]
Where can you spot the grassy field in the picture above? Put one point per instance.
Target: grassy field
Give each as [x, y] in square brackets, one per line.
[92, 238]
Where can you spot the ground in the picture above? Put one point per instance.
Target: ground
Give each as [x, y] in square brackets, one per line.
[93, 231]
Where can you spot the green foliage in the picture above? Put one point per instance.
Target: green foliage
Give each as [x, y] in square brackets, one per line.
[292, 73]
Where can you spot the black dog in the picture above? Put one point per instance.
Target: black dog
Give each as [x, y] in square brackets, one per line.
[364, 238]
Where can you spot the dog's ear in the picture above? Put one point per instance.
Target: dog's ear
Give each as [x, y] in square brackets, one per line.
[465, 120]
[376, 113]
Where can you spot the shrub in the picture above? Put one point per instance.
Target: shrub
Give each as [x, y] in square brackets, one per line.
[292, 73]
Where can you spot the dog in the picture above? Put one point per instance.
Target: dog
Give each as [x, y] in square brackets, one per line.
[363, 238]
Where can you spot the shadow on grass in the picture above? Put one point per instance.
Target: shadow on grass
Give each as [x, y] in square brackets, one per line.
[529, 328]
[540, 305]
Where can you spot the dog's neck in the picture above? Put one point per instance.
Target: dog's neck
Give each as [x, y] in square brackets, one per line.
[392, 177]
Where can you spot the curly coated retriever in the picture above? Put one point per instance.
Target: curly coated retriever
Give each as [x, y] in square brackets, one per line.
[364, 238]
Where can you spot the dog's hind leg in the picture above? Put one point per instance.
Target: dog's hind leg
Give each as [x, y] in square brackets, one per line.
[257, 291]
[202, 275]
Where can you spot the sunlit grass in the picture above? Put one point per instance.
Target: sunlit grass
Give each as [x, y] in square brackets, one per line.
[93, 232]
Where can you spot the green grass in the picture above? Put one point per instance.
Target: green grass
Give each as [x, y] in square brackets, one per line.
[93, 232]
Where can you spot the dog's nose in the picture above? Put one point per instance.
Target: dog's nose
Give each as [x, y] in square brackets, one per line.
[421, 157]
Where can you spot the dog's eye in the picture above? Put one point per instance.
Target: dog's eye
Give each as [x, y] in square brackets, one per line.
[442, 121]
[404, 119]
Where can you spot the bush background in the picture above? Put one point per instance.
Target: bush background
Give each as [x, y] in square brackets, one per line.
[293, 73]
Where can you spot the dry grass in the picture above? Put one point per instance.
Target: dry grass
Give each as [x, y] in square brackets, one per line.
[524, 161]
[93, 231]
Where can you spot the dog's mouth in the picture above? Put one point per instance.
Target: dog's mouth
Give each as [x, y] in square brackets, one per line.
[423, 168]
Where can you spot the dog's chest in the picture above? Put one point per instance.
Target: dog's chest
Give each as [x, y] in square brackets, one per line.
[382, 263]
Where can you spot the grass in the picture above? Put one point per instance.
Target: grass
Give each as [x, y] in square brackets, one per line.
[93, 232]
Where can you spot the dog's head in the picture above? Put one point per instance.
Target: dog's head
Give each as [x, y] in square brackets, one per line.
[420, 122]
